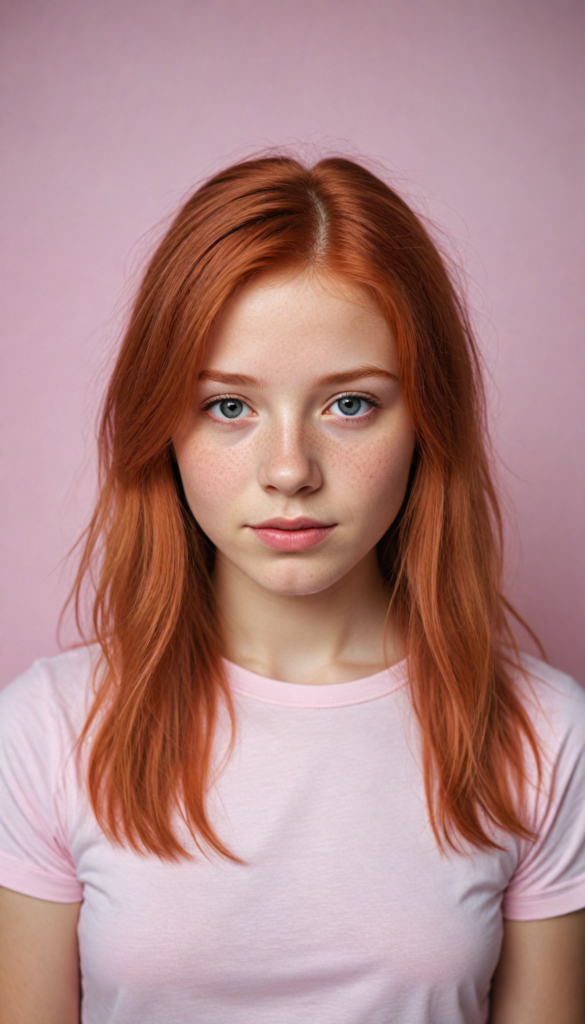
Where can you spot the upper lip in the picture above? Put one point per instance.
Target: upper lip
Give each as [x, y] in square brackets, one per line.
[300, 523]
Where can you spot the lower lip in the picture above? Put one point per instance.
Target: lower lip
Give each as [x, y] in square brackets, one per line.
[292, 540]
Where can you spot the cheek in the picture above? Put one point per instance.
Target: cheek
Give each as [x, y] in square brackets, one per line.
[375, 476]
[211, 477]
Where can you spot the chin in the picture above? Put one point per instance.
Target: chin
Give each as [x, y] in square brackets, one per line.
[300, 583]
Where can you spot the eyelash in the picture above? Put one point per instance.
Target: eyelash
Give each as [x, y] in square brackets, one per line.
[346, 394]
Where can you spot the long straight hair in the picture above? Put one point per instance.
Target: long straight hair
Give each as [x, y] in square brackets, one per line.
[162, 680]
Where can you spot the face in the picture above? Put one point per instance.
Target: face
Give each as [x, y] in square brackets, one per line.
[295, 453]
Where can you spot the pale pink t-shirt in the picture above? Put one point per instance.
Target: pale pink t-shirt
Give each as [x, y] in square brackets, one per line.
[345, 912]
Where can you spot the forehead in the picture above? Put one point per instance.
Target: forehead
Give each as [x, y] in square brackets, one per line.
[295, 322]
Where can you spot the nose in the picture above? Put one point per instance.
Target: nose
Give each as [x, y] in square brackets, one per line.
[289, 464]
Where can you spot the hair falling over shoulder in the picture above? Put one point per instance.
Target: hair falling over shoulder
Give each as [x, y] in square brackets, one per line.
[161, 679]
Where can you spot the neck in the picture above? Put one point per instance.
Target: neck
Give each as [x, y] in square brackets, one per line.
[329, 637]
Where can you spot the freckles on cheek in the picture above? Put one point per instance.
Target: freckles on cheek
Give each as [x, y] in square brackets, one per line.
[380, 471]
[210, 475]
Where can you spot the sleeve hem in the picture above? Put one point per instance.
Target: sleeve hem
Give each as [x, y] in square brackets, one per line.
[536, 908]
[32, 882]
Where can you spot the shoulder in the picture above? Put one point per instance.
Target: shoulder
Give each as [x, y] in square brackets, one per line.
[555, 703]
[554, 700]
[549, 879]
[41, 715]
[53, 693]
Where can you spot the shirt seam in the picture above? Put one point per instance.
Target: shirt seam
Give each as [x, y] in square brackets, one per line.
[314, 705]
[558, 890]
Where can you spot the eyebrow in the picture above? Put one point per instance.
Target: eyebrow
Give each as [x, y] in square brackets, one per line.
[331, 379]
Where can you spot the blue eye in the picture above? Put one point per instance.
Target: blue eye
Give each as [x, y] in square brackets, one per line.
[229, 408]
[351, 405]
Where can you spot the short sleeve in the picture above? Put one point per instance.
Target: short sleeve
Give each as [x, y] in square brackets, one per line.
[550, 877]
[34, 858]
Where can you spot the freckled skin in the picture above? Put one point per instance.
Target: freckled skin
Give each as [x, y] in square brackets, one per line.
[292, 452]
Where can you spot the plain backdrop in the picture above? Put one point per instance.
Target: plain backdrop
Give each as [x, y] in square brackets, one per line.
[112, 111]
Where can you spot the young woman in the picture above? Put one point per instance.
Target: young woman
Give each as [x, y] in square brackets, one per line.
[299, 771]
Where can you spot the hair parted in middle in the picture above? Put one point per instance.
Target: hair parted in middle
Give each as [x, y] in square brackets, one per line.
[161, 677]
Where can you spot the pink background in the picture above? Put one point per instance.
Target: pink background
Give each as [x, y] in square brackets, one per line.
[114, 110]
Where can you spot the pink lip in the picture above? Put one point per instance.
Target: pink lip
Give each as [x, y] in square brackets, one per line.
[292, 534]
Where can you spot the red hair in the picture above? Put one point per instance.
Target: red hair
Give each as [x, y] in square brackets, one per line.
[162, 678]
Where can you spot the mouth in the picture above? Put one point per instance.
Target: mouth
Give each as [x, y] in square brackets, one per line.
[299, 523]
[292, 534]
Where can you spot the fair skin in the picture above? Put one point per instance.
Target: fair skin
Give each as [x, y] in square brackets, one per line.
[288, 450]
[291, 450]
